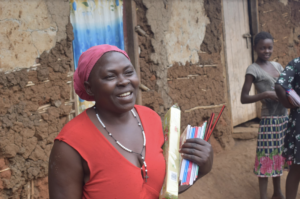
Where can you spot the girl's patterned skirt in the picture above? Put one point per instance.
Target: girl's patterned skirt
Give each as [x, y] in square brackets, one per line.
[269, 161]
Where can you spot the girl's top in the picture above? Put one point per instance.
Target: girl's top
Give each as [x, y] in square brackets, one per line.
[111, 174]
[263, 81]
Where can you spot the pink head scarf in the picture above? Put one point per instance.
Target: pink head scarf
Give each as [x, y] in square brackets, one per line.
[86, 63]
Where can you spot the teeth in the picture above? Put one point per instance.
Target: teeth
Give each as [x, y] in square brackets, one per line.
[124, 94]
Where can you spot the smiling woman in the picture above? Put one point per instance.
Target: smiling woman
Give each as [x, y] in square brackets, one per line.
[113, 150]
[113, 82]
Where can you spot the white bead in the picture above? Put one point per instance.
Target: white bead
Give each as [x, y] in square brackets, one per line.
[100, 120]
[144, 138]
[142, 158]
[130, 151]
[133, 113]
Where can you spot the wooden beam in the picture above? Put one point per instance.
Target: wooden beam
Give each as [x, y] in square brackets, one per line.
[254, 17]
[254, 27]
[254, 23]
[224, 60]
[131, 39]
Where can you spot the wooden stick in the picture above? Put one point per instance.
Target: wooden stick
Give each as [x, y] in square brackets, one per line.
[209, 125]
[30, 83]
[131, 39]
[144, 88]
[268, 11]
[32, 188]
[44, 106]
[70, 74]
[28, 192]
[141, 31]
[214, 65]
[4, 170]
[215, 123]
[204, 107]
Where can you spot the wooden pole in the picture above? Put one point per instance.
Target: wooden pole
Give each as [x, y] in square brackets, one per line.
[254, 22]
[254, 26]
[131, 39]
[254, 17]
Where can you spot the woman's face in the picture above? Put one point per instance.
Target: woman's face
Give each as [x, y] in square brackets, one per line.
[264, 49]
[113, 82]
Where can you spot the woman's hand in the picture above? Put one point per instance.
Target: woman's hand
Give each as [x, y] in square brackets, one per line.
[199, 152]
[271, 95]
[283, 97]
[293, 103]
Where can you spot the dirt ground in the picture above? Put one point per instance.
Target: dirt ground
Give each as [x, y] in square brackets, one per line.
[232, 176]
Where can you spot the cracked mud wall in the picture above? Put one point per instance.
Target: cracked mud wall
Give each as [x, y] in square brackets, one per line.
[282, 19]
[35, 89]
[28, 28]
[182, 61]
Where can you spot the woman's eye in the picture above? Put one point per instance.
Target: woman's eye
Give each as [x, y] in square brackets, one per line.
[109, 77]
[129, 72]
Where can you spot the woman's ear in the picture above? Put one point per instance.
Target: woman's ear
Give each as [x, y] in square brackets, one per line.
[88, 88]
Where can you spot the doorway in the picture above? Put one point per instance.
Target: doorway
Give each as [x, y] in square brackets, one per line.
[238, 52]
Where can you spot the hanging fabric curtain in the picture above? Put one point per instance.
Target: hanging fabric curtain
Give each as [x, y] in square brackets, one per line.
[95, 22]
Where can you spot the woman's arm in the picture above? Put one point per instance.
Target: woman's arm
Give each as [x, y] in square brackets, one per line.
[246, 98]
[199, 152]
[65, 172]
[286, 80]
[282, 96]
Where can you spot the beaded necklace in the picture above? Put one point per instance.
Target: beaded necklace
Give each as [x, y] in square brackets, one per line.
[123, 147]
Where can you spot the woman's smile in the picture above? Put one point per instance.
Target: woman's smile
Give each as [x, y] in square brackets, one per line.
[125, 97]
[125, 94]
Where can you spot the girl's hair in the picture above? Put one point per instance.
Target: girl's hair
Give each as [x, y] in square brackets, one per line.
[262, 36]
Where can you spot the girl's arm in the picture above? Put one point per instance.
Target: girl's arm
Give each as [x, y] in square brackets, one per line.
[246, 98]
[65, 172]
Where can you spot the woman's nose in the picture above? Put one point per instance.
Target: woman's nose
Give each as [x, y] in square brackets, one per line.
[123, 81]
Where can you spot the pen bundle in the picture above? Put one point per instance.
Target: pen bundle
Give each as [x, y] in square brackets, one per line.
[189, 170]
[294, 97]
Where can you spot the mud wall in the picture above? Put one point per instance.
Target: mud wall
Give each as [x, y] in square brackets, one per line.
[282, 20]
[35, 89]
[28, 28]
[182, 61]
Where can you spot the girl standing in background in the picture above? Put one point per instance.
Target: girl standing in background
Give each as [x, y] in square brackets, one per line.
[263, 74]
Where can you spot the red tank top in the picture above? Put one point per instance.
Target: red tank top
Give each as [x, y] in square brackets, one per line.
[111, 174]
